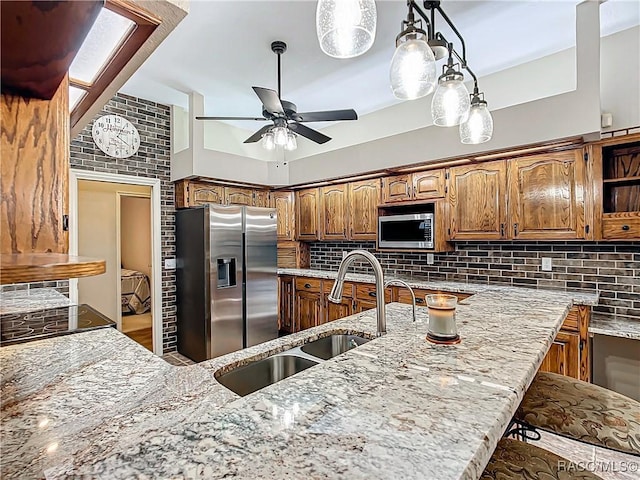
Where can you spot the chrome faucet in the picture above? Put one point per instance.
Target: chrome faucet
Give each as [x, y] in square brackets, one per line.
[336, 292]
[395, 281]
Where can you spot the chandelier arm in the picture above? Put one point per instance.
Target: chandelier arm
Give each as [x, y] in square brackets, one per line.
[463, 63]
[455, 30]
[413, 5]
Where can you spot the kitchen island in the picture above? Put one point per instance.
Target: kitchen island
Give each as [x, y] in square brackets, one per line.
[97, 405]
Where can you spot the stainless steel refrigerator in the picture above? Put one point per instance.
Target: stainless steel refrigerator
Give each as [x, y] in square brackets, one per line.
[227, 285]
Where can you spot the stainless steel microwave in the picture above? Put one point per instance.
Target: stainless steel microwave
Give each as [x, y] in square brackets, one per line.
[411, 231]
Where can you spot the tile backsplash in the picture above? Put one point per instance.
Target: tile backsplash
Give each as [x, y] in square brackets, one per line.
[613, 269]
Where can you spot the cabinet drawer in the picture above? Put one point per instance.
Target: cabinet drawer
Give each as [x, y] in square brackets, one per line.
[308, 284]
[622, 226]
[347, 289]
[367, 292]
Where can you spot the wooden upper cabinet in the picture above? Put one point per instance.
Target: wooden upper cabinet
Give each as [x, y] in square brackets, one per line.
[306, 205]
[364, 198]
[429, 184]
[261, 198]
[238, 196]
[546, 196]
[283, 203]
[334, 212]
[477, 198]
[396, 189]
[203, 193]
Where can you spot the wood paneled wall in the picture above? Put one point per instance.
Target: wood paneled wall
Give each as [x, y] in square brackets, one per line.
[35, 171]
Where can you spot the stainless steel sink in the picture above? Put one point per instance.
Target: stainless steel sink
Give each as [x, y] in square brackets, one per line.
[328, 347]
[257, 375]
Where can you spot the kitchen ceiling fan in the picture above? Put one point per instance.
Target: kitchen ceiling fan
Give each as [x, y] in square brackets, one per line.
[285, 118]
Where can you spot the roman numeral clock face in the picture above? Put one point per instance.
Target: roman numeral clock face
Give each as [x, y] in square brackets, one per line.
[116, 136]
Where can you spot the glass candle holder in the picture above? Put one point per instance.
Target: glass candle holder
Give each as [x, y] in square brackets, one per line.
[442, 319]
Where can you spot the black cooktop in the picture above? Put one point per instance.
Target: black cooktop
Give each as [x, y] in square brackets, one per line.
[50, 322]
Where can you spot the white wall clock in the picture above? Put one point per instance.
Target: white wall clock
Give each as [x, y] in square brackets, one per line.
[116, 136]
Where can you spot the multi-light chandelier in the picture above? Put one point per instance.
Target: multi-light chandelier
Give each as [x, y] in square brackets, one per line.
[347, 28]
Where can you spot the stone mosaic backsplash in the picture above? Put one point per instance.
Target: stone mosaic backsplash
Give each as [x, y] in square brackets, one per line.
[613, 269]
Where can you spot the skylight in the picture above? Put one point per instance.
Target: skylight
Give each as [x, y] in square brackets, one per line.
[75, 95]
[106, 35]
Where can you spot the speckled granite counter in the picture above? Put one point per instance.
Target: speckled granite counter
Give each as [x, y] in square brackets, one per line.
[579, 298]
[97, 405]
[20, 301]
[614, 327]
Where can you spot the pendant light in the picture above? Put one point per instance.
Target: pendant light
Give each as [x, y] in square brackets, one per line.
[478, 128]
[346, 28]
[450, 104]
[268, 142]
[413, 67]
[280, 136]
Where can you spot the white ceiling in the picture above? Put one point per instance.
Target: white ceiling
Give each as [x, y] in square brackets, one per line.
[222, 49]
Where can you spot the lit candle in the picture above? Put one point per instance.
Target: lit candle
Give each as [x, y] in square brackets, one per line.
[442, 316]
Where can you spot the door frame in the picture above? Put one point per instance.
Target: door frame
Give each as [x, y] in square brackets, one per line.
[156, 240]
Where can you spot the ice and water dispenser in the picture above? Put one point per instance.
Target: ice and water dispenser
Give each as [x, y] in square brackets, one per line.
[226, 272]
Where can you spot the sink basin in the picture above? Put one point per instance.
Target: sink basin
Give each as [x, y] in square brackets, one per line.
[249, 378]
[328, 347]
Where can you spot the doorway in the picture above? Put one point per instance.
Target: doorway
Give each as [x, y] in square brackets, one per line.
[117, 220]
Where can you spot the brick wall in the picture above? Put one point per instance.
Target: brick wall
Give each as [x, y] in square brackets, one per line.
[613, 269]
[153, 161]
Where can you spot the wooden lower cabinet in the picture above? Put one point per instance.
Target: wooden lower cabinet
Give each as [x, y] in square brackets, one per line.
[308, 310]
[334, 311]
[403, 295]
[569, 353]
[286, 318]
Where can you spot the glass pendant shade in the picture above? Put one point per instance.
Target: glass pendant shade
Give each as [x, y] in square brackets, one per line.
[268, 142]
[450, 104]
[413, 71]
[280, 136]
[346, 28]
[292, 143]
[479, 126]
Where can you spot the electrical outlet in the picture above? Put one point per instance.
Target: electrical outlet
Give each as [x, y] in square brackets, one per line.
[430, 259]
[170, 264]
[547, 264]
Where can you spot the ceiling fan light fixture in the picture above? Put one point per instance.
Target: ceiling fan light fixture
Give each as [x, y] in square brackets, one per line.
[478, 128]
[346, 28]
[268, 142]
[413, 71]
[292, 143]
[280, 136]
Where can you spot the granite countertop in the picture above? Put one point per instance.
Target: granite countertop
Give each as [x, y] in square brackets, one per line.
[579, 298]
[22, 301]
[97, 405]
[614, 326]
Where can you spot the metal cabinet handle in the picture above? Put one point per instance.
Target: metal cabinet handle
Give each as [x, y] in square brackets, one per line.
[307, 285]
[515, 229]
[502, 230]
[419, 300]
[625, 227]
[372, 294]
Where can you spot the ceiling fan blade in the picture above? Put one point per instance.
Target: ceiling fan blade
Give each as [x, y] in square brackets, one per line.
[231, 118]
[328, 116]
[270, 100]
[258, 135]
[309, 133]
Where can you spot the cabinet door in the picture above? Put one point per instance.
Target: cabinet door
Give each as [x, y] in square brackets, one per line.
[335, 311]
[238, 196]
[334, 211]
[396, 189]
[364, 198]
[477, 198]
[546, 196]
[202, 193]
[308, 309]
[285, 301]
[307, 214]
[564, 355]
[283, 203]
[261, 198]
[427, 185]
